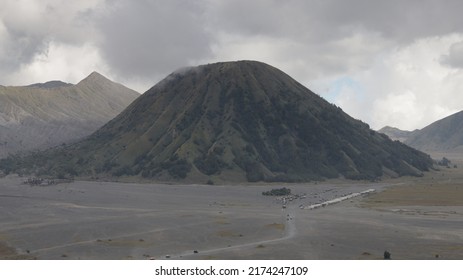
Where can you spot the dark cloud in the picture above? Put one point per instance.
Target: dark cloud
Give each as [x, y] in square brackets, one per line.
[148, 38]
[330, 36]
[408, 52]
[19, 47]
[397, 20]
[329, 19]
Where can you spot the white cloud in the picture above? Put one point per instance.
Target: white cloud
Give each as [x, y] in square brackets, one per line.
[68, 63]
[4, 37]
[407, 87]
[455, 56]
[29, 29]
[396, 107]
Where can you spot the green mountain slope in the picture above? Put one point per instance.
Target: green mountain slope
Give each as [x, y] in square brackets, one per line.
[235, 121]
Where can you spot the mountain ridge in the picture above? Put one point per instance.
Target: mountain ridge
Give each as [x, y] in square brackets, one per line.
[395, 133]
[40, 116]
[442, 135]
[51, 84]
[233, 121]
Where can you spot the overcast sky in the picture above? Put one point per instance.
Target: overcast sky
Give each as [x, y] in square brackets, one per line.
[397, 63]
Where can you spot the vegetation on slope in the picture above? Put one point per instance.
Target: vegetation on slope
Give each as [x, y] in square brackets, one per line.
[233, 121]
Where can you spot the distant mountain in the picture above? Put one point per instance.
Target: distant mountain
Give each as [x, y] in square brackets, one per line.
[51, 84]
[395, 133]
[234, 121]
[44, 115]
[443, 135]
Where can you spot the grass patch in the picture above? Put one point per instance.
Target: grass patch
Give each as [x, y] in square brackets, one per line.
[6, 251]
[276, 226]
[418, 194]
[227, 233]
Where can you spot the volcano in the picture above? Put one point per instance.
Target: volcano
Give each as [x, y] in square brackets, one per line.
[232, 121]
[44, 115]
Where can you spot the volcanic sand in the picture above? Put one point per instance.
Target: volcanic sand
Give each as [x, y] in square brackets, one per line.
[413, 218]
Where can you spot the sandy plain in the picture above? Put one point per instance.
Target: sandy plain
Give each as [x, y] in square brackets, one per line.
[412, 218]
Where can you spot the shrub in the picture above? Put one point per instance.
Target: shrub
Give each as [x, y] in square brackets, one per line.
[278, 192]
[209, 165]
[125, 170]
[177, 168]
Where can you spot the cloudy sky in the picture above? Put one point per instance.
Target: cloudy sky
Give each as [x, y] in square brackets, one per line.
[394, 62]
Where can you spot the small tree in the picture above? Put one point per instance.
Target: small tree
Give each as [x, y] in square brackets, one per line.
[387, 255]
[444, 162]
